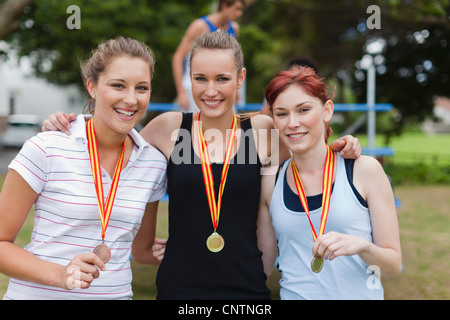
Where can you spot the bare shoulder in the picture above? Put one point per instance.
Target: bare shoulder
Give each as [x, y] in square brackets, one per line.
[367, 166]
[261, 121]
[197, 27]
[167, 121]
[368, 172]
[158, 132]
[369, 176]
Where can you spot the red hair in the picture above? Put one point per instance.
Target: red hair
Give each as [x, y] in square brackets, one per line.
[304, 77]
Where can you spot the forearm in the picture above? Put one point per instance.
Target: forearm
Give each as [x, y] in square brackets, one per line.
[144, 254]
[18, 263]
[387, 259]
[269, 254]
[142, 247]
[266, 238]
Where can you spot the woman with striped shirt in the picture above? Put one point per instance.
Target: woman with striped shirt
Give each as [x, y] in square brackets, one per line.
[54, 173]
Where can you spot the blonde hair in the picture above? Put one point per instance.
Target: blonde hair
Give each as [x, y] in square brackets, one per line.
[106, 51]
[222, 41]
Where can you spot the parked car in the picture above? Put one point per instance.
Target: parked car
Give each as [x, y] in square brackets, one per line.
[20, 128]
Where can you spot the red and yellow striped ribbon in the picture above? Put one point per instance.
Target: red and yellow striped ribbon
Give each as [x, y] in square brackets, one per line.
[214, 206]
[327, 182]
[104, 208]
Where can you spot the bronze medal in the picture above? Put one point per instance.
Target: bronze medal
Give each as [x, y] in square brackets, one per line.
[215, 242]
[316, 264]
[103, 252]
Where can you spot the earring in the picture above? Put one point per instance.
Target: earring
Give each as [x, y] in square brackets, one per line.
[93, 96]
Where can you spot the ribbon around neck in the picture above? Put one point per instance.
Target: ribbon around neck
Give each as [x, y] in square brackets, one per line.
[328, 173]
[214, 206]
[105, 207]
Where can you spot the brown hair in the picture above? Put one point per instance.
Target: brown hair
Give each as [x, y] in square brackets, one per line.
[106, 51]
[229, 3]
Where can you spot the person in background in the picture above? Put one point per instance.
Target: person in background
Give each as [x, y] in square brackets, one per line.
[223, 19]
[80, 245]
[335, 222]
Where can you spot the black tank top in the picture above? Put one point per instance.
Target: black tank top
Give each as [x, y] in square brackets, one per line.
[189, 270]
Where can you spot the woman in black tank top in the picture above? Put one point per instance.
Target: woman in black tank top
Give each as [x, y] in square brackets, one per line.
[189, 270]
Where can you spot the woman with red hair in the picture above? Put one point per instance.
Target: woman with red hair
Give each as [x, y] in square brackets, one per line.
[322, 206]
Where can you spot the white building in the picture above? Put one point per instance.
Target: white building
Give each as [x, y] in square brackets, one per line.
[441, 113]
[23, 93]
[442, 109]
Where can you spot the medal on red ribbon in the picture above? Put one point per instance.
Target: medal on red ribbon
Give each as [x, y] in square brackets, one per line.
[104, 207]
[328, 172]
[215, 241]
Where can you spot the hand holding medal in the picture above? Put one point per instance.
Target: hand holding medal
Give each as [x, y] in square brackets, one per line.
[215, 241]
[105, 208]
[328, 172]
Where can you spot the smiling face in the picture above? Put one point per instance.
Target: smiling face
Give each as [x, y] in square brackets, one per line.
[300, 118]
[122, 94]
[215, 80]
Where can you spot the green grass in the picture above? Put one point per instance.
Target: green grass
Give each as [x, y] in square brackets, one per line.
[425, 234]
[424, 231]
[414, 147]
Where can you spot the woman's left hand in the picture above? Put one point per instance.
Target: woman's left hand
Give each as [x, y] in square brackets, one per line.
[333, 244]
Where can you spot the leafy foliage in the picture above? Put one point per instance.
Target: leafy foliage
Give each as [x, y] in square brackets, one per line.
[415, 63]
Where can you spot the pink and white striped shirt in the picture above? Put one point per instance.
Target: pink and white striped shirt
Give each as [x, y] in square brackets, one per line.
[67, 220]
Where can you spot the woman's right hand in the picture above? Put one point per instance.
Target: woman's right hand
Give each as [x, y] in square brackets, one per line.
[81, 271]
[59, 121]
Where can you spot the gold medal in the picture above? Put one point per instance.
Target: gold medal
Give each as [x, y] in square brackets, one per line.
[103, 252]
[215, 242]
[316, 264]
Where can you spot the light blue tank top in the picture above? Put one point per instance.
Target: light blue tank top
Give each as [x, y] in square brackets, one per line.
[346, 277]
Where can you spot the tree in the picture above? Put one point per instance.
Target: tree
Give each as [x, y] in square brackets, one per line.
[414, 66]
[56, 50]
[10, 11]
[334, 33]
